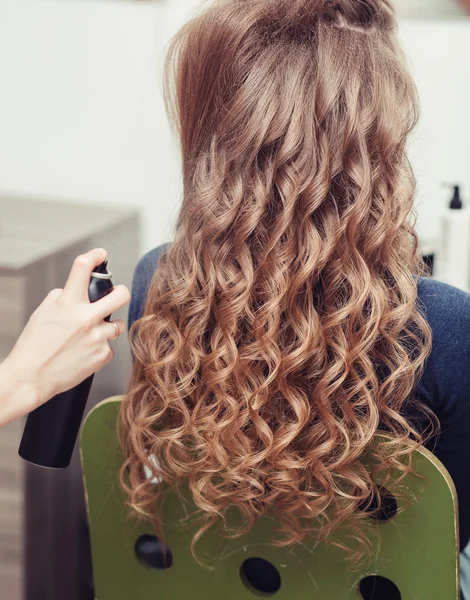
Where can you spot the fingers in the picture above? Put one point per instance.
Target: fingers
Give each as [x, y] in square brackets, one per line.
[79, 277]
[111, 331]
[118, 298]
[106, 357]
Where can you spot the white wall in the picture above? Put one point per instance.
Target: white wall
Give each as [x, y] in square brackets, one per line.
[430, 8]
[81, 114]
[440, 58]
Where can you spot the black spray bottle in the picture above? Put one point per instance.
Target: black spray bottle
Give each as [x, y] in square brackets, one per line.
[51, 430]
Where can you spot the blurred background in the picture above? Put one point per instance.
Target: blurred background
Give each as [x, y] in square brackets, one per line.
[87, 159]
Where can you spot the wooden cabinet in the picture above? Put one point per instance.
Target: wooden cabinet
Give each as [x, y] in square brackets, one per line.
[43, 537]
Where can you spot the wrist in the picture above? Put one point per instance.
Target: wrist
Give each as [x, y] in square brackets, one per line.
[19, 392]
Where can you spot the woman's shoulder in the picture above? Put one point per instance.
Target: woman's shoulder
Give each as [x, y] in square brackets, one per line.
[447, 310]
[143, 275]
[148, 263]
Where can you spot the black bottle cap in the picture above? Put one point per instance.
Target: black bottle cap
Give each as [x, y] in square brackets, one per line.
[456, 202]
[102, 268]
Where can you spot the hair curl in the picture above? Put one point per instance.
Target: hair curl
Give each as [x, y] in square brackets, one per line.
[281, 330]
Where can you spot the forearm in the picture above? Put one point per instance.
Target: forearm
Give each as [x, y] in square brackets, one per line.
[18, 396]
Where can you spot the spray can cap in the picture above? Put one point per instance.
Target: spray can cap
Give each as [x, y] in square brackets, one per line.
[101, 271]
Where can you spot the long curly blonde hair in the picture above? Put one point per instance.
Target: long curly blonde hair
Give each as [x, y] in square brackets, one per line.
[282, 329]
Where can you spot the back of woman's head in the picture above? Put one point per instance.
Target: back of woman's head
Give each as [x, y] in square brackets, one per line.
[281, 328]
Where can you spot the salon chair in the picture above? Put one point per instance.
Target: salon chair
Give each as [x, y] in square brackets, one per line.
[415, 551]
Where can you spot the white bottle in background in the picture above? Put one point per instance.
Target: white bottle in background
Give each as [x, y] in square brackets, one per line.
[456, 243]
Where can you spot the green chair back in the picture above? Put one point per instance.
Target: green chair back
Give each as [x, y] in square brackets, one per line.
[415, 558]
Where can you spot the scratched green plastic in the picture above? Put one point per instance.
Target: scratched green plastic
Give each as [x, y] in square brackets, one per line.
[417, 550]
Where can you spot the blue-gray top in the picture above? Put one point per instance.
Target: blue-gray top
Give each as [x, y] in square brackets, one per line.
[444, 386]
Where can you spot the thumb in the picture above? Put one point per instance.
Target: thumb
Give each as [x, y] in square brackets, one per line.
[77, 284]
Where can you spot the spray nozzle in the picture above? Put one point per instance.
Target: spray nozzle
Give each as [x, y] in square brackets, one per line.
[102, 268]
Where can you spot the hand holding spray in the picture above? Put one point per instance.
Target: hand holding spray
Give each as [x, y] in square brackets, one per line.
[51, 430]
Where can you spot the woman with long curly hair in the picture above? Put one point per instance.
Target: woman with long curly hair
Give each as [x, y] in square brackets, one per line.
[287, 323]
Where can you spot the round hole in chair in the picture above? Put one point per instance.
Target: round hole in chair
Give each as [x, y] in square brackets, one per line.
[260, 576]
[388, 506]
[153, 553]
[376, 587]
